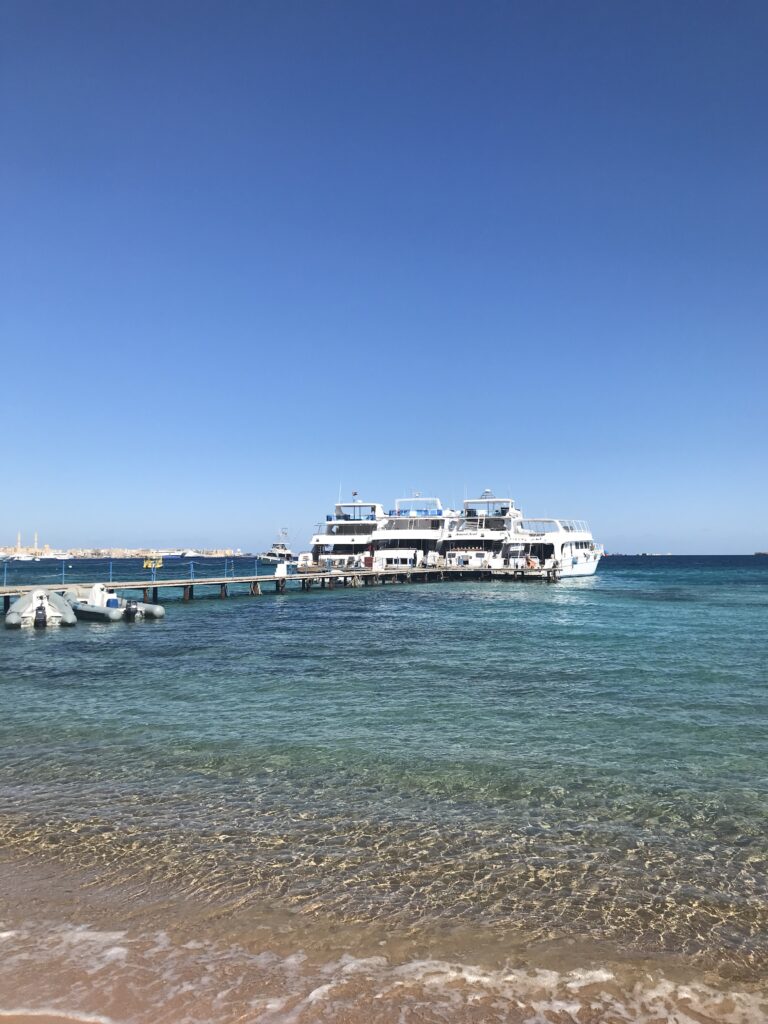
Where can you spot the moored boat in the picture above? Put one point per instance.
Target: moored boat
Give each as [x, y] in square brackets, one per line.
[100, 603]
[345, 540]
[39, 609]
[279, 552]
[476, 540]
[490, 533]
[411, 533]
[563, 546]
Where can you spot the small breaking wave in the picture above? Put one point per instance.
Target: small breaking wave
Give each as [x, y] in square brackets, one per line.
[78, 975]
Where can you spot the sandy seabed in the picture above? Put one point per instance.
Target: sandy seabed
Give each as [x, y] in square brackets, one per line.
[75, 952]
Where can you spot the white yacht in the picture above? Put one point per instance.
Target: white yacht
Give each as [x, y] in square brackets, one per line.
[476, 539]
[489, 533]
[563, 545]
[279, 552]
[411, 533]
[345, 539]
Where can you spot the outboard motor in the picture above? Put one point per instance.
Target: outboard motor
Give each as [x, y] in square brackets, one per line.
[131, 610]
[41, 619]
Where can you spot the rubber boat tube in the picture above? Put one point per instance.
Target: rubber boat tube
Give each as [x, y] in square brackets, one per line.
[101, 604]
[39, 608]
[151, 611]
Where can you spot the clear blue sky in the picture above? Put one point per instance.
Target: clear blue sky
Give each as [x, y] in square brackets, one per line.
[251, 251]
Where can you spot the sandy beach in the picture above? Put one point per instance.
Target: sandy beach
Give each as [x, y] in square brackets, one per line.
[28, 1017]
[75, 952]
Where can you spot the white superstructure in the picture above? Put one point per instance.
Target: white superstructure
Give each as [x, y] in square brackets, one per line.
[563, 545]
[345, 540]
[412, 532]
[476, 540]
[489, 533]
[279, 552]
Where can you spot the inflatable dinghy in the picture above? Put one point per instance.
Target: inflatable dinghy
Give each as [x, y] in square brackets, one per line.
[38, 609]
[101, 604]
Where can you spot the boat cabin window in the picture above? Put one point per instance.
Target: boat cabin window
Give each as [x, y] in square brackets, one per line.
[339, 529]
[416, 506]
[474, 544]
[356, 512]
[540, 551]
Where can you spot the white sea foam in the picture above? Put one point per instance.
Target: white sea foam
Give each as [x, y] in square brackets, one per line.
[82, 933]
[199, 982]
[57, 1015]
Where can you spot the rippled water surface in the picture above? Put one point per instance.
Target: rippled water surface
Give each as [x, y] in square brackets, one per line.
[531, 763]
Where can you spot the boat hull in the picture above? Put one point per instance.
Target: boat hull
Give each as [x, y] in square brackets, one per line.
[585, 568]
[93, 613]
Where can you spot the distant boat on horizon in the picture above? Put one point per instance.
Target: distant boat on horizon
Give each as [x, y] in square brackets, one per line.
[279, 552]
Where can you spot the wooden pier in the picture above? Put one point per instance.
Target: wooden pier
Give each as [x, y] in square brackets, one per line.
[315, 579]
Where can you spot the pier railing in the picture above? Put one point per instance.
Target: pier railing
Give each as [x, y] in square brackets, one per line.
[187, 585]
[49, 573]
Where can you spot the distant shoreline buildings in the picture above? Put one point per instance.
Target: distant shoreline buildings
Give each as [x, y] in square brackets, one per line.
[33, 551]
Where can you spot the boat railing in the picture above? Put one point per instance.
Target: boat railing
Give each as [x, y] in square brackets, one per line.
[406, 513]
[552, 526]
[574, 525]
[500, 507]
[405, 524]
[346, 518]
[484, 522]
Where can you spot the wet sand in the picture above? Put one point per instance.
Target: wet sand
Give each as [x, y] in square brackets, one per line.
[42, 1018]
[73, 951]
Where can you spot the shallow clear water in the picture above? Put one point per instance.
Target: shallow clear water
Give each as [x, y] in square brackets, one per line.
[532, 763]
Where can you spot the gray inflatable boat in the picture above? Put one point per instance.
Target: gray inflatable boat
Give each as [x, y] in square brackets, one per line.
[99, 603]
[39, 609]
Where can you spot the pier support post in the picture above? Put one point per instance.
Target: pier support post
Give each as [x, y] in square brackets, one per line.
[146, 595]
[223, 590]
[154, 595]
[189, 592]
[6, 602]
[280, 586]
[255, 589]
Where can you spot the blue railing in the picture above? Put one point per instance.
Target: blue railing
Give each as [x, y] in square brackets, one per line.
[116, 570]
[405, 512]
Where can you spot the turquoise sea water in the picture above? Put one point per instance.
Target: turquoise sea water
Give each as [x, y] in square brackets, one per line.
[585, 761]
